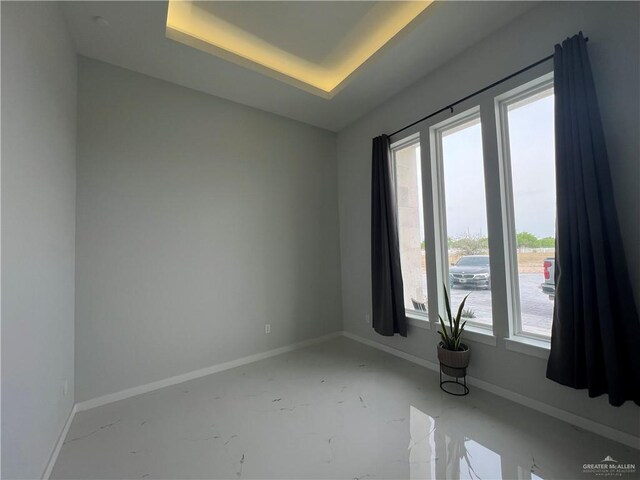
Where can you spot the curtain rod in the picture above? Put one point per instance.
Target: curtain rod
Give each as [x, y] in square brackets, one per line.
[478, 92]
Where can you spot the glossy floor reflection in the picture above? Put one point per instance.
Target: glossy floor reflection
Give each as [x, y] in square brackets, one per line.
[335, 410]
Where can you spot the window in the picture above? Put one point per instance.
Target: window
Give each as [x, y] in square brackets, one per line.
[528, 164]
[408, 176]
[497, 154]
[463, 215]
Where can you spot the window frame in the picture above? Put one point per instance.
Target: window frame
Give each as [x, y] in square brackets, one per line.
[494, 181]
[440, 203]
[405, 142]
[502, 103]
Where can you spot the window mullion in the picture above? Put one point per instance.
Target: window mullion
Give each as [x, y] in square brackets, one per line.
[495, 226]
[508, 221]
[431, 221]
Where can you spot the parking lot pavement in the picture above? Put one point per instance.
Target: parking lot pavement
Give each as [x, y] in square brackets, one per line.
[535, 306]
[479, 302]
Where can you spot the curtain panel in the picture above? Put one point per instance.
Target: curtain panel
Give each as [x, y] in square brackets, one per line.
[388, 313]
[595, 341]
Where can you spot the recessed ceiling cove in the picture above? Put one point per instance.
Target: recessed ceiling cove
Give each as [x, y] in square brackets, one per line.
[313, 45]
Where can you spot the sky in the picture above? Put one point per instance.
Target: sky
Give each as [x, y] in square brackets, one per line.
[531, 130]
[533, 175]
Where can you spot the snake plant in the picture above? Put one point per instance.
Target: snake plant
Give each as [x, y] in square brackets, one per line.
[452, 336]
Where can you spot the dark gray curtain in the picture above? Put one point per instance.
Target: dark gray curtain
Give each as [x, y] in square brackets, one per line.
[595, 341]
[386, 275]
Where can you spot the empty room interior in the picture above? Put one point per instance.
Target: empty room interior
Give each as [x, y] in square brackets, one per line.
[320, 240]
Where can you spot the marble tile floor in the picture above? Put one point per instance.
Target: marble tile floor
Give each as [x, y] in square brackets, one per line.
[338, 409]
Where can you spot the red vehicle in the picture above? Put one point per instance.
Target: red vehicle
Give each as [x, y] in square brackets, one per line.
[549, 285]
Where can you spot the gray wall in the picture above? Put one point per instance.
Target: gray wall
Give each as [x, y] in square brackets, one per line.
[199, 221]
[38, 222]
[613, 29]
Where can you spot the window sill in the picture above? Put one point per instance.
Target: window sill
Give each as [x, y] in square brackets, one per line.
[528, 346]
[479, 334]
[418, 321]
[471, 333]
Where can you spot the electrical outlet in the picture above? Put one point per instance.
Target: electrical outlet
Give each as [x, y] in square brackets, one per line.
[267, 328]
[65, 388]
[367, 318]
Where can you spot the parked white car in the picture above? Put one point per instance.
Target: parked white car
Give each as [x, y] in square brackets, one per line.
[471, 271]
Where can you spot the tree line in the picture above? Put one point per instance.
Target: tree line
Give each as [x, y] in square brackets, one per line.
[477, 244]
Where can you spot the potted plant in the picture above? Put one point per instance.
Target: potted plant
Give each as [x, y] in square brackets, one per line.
[452, 353]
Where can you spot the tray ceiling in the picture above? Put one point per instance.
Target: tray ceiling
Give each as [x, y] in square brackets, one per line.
[134, 37]
[312, 45]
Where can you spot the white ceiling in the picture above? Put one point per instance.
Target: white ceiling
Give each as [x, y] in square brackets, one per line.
[135, 39]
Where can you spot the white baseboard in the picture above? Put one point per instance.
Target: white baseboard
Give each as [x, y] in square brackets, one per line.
[578, 421]
[58, 445]
[166, 382]
[393, 351]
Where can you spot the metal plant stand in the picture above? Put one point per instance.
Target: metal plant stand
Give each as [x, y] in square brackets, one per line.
[463, 384]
